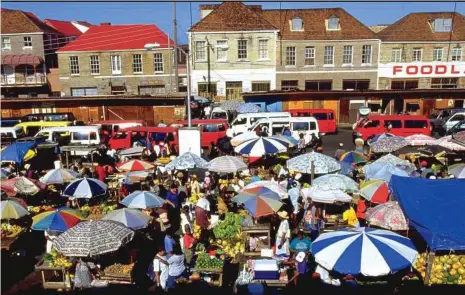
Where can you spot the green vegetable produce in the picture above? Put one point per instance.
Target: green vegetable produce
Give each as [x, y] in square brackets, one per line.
[205, 261]
[229, 228]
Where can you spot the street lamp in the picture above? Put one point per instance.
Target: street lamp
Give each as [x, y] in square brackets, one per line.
[150, 46]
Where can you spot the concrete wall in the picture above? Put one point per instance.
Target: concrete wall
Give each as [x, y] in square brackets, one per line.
[17, 45]
[105, 79]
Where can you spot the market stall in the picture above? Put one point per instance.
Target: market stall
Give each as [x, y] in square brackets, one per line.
[56, 271]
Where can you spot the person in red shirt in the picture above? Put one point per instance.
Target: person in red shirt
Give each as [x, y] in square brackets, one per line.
[102, 174]
[361, 209]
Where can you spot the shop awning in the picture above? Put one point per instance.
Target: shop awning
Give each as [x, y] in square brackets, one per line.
[21, 59]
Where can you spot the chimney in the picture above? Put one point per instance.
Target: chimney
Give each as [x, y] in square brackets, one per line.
[105, 24]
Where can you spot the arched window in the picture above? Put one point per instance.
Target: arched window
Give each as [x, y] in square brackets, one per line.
[297, 24]
[333, 23]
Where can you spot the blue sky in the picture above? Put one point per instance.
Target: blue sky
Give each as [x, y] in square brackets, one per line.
[369, 13]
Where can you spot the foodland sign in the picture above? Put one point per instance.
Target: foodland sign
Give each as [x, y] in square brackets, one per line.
[420, 70]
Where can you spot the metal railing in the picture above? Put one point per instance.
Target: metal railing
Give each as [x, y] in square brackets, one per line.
[36, 79]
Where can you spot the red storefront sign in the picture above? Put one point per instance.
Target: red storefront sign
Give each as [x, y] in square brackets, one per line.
[410, 70]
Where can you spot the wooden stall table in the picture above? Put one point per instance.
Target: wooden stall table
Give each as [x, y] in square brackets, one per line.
[54, 278]
[8, 242]
[258, 229]
[117, 279]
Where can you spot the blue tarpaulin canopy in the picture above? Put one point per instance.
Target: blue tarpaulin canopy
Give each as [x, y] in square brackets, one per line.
[435, 207]
[16, 151]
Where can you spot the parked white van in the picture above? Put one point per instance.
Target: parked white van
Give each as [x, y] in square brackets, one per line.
[454, 119]
[243, 122]
[10, 134]
[297, 125]
[74, 135]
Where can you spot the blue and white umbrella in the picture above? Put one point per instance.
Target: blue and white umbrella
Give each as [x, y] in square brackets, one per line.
[323, 164]
[187, 161]
[383, 171]
[287, 140]
[261, 146]
[336, 181]
[131, 218]
[85, 188]
[142, 200]
[379, 136]
[248, 108]
[366, 251]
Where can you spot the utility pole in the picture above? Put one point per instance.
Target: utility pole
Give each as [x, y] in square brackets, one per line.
[208, 69]
[175, 51]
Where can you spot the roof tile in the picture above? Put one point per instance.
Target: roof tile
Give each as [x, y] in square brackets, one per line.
[17, 21]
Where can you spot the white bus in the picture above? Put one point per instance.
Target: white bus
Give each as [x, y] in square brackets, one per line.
[243, 122]
[297, 125]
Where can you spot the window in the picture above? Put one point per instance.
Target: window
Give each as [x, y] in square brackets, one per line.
[404, 84]
[457, 118]
[411, 107]
[6, 43]
[210, 128]
[94, 65]
[74, 65]
[118, 90]
[262, 49]
[347, 55]
[233, 89]
[456, 54]
[289, 85]
[366, 54]
[437, 54]
[90, 91]
[355, 84]
[417, 53]
[318, 85]
[261, 86]
[137, 63]
[329, 55]
[442, 24]
[27, 41]
[290, 56]
[333, 23]
[221, 50]
[320, 116]
[242, 49]
[300, 126]
[200, 53]
[444, 82]
[396, 55]
[394, 123]
[297, 24]
[310, 56]
[203, 89]
[158, 62]
[80, 136]
[115, 64]
[371, 124]
[152, 90]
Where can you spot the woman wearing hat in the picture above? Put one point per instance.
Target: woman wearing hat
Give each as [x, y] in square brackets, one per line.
[195, 185]
[283, 235]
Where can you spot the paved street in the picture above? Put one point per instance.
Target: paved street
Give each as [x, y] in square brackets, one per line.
[331, 141]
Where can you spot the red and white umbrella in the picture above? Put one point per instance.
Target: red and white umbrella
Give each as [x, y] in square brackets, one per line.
[388, 216]
[135, 165]
[420, 140]
[21, 185]
[375, 191]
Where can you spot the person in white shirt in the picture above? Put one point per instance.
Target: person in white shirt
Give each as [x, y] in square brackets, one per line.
[177, 268]
[161, 268]
[207, 110]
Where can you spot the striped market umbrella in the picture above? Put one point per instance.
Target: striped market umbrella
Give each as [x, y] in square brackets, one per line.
[135, 165]
[366, 251]
[59, 176]
[131, 218]
[375, 191]
[388, 216]
[353, 157]
[458, 170]
[261, 146]
[92, 238]
[142, 200]
[289, 140]
[60, 219]
[276, 187]
[12, 210]
[85, 188]
[259, 201]
[238, 139]
[226, 164]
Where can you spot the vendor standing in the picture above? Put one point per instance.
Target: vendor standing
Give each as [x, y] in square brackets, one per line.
[202, 208]
[301, 244]
[283, 235]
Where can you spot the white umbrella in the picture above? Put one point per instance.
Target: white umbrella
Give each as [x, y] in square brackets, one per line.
[226, 164]
[321, 195]
[131, 218]
[142, 200]
[391, 159]
[58, 176]
[336, 181]
[323, 164]
[186, 161]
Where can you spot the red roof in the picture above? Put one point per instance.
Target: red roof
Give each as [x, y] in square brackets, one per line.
[65, 27]
[118, 37]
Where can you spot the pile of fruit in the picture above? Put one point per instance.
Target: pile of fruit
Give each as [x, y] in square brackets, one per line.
[10, 231]
[205, 261]
[97, 210]
[118, 269]
[197, 230]
[446, 269]
[195, 197]
[228, 234]
[55, 259]
[38, 209]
